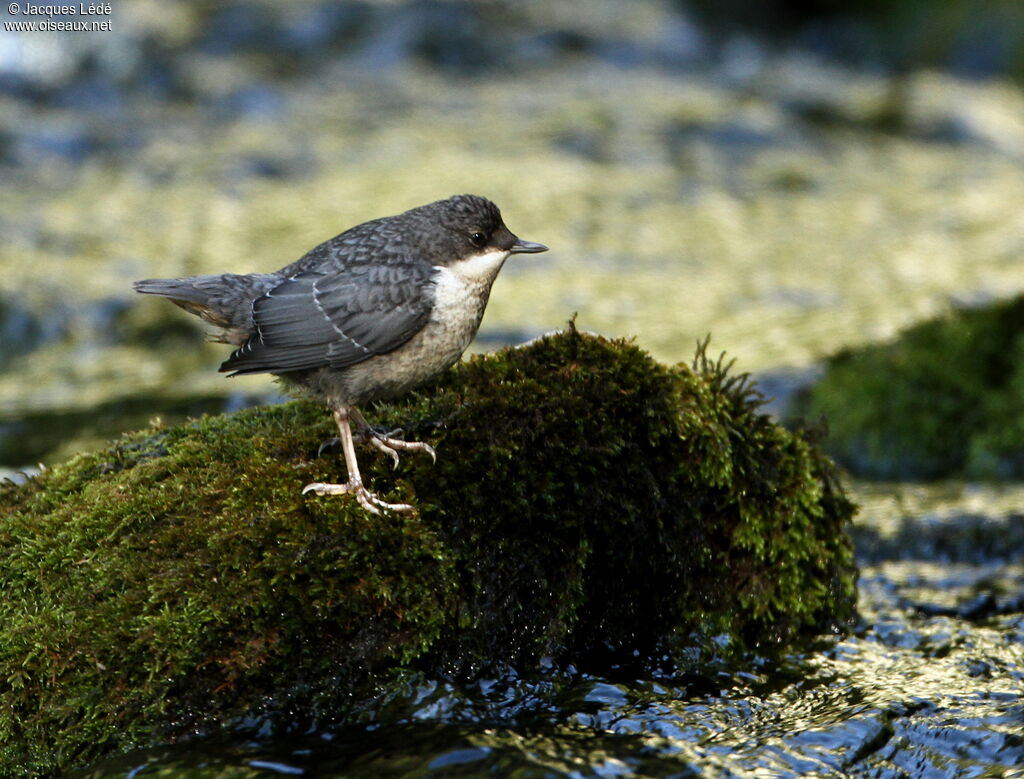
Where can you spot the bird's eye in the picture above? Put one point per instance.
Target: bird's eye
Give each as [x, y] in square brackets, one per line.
[478, 239]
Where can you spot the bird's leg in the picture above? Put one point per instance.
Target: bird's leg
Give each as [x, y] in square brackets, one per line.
[385, 443]
[354, 485]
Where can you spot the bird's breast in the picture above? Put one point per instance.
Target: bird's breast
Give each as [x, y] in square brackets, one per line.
[460, 291]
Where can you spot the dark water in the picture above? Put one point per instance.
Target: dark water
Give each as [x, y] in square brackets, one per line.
[928, 685]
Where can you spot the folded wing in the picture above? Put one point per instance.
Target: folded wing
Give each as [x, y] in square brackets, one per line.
[335, 319]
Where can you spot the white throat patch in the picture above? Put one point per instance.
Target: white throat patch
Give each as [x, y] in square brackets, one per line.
[461, 289]
[479, 268]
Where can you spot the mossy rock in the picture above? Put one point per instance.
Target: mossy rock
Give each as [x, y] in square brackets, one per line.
[584, 497]
[944, 399]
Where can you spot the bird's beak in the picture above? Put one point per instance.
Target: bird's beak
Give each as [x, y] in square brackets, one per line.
[527, 247]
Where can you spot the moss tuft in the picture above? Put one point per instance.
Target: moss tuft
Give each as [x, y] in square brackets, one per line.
[944, 399]
[584, 497]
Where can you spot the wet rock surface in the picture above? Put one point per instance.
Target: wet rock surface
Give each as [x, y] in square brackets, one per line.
[927, 685]
[588, 505]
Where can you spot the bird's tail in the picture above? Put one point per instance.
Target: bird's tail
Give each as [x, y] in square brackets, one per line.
[224, 300]
[175, 289]
[196, 294]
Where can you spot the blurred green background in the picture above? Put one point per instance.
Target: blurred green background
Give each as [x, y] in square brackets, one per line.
[791, 177]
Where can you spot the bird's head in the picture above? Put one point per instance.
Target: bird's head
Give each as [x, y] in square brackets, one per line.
[470, 226]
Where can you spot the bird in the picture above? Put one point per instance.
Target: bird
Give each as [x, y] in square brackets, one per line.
[367, 315]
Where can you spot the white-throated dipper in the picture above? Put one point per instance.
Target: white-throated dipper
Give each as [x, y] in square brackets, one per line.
[367, 315]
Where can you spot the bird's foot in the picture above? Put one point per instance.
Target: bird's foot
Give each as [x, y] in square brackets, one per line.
[366, 499]
[391, 446]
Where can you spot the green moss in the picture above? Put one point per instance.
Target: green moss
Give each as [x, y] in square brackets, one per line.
[584, 497]
[945, 398]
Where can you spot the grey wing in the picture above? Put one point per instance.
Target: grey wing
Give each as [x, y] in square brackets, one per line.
[335, 319]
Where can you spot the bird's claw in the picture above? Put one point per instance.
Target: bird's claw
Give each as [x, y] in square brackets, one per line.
[366, 499]
[388, 450]
[331, 443]
[391, 446]
[420, 446]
